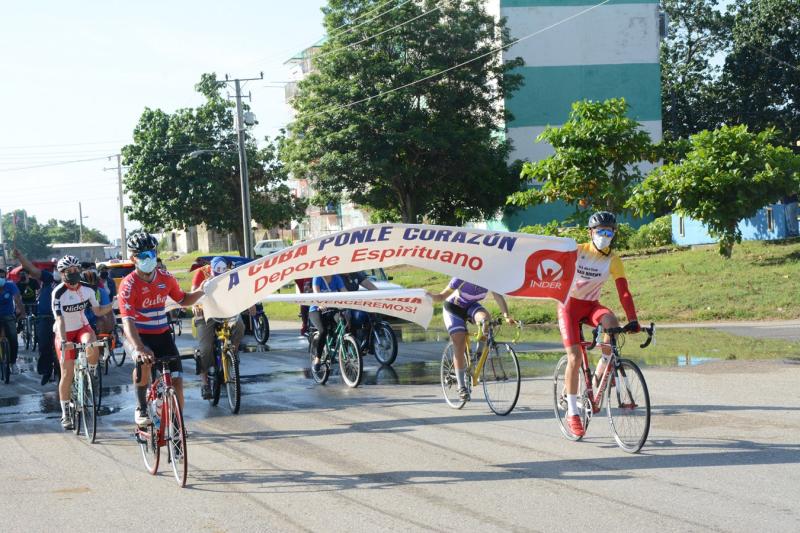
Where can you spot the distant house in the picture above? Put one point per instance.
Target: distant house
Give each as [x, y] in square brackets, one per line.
[85, 251]
[775, 221]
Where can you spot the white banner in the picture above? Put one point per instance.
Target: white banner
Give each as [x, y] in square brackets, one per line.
[517, 264]
[408, 304]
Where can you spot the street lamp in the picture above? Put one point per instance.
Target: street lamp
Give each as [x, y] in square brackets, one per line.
[243, 176]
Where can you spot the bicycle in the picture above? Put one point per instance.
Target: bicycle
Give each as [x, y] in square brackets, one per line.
[377, 337]
[82, 400]
[260, 325]
[167, 427]
[5, 357]
[28, 327]
[628, 408]
[339, 345]
[175, 323]
[226, 366]
[111, 353]
[497, 367]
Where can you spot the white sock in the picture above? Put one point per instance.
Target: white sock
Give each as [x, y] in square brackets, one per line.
[572, 400]
[461, 377]
[64, 408]
[92, 368]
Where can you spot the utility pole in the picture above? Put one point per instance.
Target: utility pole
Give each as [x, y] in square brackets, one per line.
[123, 243]
[243, 173]
[80, 221]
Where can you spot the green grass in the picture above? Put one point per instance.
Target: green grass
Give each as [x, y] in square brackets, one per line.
[760, 282]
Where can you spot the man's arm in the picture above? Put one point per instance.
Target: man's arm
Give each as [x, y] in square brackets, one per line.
[131, 333]
[191, 298]
[27, 265]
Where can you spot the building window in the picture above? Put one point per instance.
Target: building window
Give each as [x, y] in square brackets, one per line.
[681, 227]
[770, 220]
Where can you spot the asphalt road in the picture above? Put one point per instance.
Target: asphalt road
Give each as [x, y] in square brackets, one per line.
[723, 455]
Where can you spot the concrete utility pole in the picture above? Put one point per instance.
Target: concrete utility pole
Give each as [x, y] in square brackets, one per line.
[80, 221]
[122, 234]
[243, 173]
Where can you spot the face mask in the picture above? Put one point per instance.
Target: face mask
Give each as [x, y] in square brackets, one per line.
[601, 242]
[57, 277]
[103, 275]
[73, 278]
[147, 265]
[2, 281]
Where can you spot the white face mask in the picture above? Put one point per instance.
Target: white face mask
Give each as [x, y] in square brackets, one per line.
[601, 242]
[57, 277]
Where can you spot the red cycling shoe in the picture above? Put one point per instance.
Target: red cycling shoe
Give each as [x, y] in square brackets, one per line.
[575, 425]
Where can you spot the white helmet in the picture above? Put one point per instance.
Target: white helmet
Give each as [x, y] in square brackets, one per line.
[68, 261]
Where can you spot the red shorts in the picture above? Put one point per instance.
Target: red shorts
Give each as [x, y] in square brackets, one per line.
[575, 312]
[79, 335]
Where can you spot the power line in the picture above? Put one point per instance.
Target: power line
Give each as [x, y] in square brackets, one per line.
[317, 56]
[376, 17]
[51, 202]
[53, 164]
[62, 144]
[437, 74]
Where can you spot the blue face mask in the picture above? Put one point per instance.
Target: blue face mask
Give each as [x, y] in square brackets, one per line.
[2, 281]
[147, 265]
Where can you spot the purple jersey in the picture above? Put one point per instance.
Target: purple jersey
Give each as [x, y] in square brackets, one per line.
[465, 293]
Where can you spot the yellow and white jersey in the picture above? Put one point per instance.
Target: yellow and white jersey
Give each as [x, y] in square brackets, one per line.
[592, 269]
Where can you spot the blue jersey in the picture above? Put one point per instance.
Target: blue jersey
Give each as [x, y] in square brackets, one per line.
[7, 293]
[337, 284]
[45, 294]
[103, 298]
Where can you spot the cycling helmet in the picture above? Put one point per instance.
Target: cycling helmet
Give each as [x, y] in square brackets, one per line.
[68, 261]
[602, 218]
[141, 241]
[218, 266]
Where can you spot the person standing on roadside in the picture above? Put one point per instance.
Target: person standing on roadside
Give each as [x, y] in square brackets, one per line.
[11, 310]
[44, 315]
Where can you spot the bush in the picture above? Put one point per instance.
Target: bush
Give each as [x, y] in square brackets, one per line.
[656, 233]
[579, 233]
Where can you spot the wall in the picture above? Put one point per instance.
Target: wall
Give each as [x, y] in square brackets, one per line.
[784, 224]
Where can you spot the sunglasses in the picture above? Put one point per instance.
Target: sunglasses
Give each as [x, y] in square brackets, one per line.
[605, 232]
[149, 254]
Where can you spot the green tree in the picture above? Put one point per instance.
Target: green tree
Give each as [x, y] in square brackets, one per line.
[596, 160]
[695, 34]
[727, 176]
[60, 231]
[760, 82]
[170, 190]
[25, 233]
[427, 151]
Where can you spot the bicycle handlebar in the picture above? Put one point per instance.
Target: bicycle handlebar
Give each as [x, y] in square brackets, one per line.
[627, 328]
[160, 360]
[81, 345]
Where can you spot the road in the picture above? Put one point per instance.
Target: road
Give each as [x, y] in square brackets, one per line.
[723, 455]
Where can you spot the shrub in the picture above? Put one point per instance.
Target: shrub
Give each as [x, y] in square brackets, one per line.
[656, 233]
[579, 233]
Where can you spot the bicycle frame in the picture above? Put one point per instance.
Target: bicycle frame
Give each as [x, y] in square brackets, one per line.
[152, 395]
[334, 339]
[224, 336]
[475, 372]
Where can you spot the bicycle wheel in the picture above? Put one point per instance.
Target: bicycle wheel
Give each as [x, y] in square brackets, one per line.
[560, 399]
[448, 379]
[233, 384]
[384, 343]
[27, 333]
[148, 444]
[176, 438]
[88, 409]
[628, 407]
[261, 328]
[324, 373]
[118, 353]
[97, 386]
[501, 379]
[5, 355]
[215, 382]
[351, 364]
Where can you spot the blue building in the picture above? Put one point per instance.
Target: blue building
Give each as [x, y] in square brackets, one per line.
[776, 221]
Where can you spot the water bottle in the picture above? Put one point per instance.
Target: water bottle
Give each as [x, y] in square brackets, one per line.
[157, 412]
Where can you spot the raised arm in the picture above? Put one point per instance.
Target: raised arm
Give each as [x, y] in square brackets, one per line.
[34, 272]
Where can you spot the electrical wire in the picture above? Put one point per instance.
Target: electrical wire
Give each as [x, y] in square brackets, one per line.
[53, 164]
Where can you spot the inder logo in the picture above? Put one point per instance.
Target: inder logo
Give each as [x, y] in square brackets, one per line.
[548, 274]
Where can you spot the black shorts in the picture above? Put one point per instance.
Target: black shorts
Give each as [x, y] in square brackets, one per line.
[163, 346]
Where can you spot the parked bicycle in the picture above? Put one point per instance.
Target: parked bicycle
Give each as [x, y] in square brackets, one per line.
[339, 347]
[225, 368]
[167, 427]
[375, 336]
[82, 397]
[492, 363]
[622, 385]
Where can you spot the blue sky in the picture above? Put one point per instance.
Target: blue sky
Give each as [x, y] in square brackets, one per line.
[82, 72]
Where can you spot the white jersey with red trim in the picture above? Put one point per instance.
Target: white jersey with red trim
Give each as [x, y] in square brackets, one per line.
[70, 304]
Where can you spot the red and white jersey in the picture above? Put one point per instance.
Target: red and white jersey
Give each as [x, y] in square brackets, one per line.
[145, 302]
[592, 269]
[70, 304]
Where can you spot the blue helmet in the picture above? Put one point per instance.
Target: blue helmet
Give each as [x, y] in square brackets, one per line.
[218, 266]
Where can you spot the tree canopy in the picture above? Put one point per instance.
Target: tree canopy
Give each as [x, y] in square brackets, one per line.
[171, 190]
[432, 150]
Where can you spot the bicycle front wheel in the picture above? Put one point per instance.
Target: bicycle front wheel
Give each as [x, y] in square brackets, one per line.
[501, 379]
[628, 406]
[148, 444]
[5, 358]
[118, 353]
[384, 343]
[97, 385]
[233, 384]
[560, 406]
[324, 373]
[27, 334]
[88, 409]
[176, 438]
[351, 363]
[261, 328]
[447, 376]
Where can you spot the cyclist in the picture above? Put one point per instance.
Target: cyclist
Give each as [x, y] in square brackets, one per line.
[44, 315]
[462, 303]
[205, 331]
[595, 263]
[303, 286]
[142, 299]
[353, 281]
[69, 301]
[108, 281]
[320, 284]
[11, 309]
[29, 290]
[104, 323]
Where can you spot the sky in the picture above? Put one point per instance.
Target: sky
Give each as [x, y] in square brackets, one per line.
[77, 76]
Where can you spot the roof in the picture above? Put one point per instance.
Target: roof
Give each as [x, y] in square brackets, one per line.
[77, 245]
